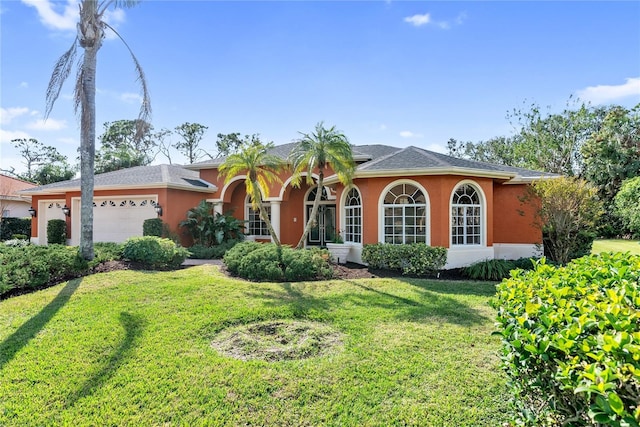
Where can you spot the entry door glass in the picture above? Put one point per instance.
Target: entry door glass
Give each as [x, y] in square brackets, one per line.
[325, 227]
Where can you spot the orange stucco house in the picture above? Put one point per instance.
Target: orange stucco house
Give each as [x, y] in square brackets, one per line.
[398, 195]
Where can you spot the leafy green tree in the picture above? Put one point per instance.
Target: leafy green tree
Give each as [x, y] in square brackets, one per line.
[208, 228]
[553, 142]
[567, 211]
[317, 151]
[191, 134]
[627, 204]
[227, 144]
[44, 163]
[125, 144]
[91, 28]
[260, 168]
[611, 156]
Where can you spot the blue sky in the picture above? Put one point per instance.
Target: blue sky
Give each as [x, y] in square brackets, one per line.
[396, 72]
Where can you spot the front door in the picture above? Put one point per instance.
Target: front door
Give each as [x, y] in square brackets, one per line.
[325, 228]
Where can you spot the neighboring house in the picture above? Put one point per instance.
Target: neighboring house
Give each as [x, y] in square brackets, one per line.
[12, 203]
[398, 195]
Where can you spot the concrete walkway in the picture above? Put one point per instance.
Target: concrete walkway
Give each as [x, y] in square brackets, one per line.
[191, 262]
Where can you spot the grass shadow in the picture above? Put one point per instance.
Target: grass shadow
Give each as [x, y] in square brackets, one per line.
[429, 302]
[25, 333]
[133, 326]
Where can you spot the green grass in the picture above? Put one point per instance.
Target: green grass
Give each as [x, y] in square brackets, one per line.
[616, 245]
[134, 348]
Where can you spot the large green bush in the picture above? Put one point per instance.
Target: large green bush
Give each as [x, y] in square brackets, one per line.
[57, 231]
[571, 341]
[32, 266]
[154, 252]
[12, 226]
[415, 259]
[211, 252]
[268, 262]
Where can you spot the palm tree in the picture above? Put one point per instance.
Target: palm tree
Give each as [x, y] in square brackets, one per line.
[90, 35]
[261, 169]
[324, 147]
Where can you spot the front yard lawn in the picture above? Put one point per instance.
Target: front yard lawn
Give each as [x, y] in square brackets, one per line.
[616, 245]
[135, 348]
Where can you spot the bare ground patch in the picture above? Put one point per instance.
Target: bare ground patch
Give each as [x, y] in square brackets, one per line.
[278, 340]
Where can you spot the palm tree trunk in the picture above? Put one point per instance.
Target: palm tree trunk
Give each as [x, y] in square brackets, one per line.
[314, 211]
[90, 38]
[264, 216]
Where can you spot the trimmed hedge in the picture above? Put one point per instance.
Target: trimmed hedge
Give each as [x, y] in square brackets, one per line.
[571, 341]
[9, 227]
[154, 252]
[57, 231]
[415, 258]
[212, 252]
[152, 227]
[268, 262]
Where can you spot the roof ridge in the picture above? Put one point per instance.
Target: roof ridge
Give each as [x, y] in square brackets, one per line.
[381, 158]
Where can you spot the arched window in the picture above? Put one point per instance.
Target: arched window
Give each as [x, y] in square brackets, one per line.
[353, 217]
[405, 215]
[466, 216]
[255, 225]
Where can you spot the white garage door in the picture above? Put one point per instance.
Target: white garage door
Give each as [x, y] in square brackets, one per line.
[48, 210]
[115, 219]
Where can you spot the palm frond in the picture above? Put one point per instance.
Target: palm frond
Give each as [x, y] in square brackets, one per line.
[117, 4]
[145, 108]
[60, 73]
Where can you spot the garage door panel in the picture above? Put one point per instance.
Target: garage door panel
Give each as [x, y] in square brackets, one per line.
[117, 219]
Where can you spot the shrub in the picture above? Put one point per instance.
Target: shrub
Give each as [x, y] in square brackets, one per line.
[11, 226]
[234, 256]
[57, 231]
[415, 259]
[154, 252]
[19, 237]
[491, 269]
[571, 341]
[152, 227]
[213, 252]
[17, 242]
[106, 251]
[32, 266]
[268, 262]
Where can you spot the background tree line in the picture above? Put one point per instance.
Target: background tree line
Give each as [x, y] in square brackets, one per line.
[123, 144]
[600, 145]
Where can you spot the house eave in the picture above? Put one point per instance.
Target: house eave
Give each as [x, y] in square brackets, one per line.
[333, 179]
[63, 190]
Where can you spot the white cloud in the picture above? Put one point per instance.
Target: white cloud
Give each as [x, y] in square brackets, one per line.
[382, 127]
[64, 17]
[409, 134]
[425, 19]
[418, 20]
[68, 141]
[63, 20]
[7, 135]
[8, 114]
[131, 98]
[49, 124]
[23, 85]
[602, 94]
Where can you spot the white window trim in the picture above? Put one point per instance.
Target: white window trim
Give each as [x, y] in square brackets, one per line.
[383, 194]
[483, 213]
[343, 213]
[247, 209]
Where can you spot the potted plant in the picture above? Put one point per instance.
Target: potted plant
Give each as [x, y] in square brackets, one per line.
[338, 248]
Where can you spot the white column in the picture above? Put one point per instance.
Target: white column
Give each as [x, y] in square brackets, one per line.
[275, 217]
[217, 207]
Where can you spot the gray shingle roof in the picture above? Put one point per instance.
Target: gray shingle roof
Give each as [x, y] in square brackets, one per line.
[415, 158]
[140, 176]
